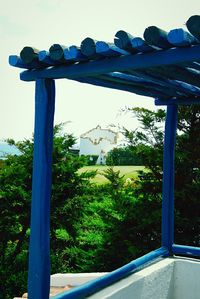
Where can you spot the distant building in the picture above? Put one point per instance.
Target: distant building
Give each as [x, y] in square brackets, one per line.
[98, 142]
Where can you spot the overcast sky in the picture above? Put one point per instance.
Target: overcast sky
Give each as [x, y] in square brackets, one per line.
[41, 23]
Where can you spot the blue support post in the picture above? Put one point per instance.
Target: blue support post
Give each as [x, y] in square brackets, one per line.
[168, 177]
[39, 249]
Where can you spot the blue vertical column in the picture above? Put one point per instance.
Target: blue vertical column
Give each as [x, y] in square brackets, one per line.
[39, 247]
[168, 177]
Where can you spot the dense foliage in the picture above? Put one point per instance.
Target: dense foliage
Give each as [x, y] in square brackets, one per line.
[100, 227]
[123, 156]
[149, 141]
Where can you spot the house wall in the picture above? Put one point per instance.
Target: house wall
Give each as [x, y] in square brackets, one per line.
[97, 140]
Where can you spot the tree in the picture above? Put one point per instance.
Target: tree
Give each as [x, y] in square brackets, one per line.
[15, 198]
[123, 156]
[149, 142]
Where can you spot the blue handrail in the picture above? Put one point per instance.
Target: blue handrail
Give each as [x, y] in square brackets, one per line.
[96, 285]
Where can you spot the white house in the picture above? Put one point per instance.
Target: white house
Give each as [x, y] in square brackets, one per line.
[98, 142]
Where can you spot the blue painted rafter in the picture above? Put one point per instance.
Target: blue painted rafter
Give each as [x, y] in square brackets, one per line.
[117, 64]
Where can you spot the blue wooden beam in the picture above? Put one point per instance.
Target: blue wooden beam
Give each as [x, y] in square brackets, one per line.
[156, 37]
[39, 252]
[73, 53]
[176, 72]
[29, 54]
[104, 82]
[142, 83]
[16, 61]
[44, 57]
[56, 52]
[109, 50]
[88, 48]
[181, 38]
[123, 41]
[186, 250]
[122, 63]
[193, 25]
[179, 101]
[142, 46]
[168, 177]
[182, 88]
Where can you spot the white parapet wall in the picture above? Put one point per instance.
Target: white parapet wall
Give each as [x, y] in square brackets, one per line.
[169, 278]
[73, 279]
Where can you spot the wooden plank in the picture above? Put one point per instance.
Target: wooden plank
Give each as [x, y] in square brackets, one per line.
[156, 37]
[179, 101]
[123, 39]
[56, 52]
[109, 49]
[181, 38]
[73, 53]
[193, 25]
[16, 61]
[39, 246]
[88, 48]
[123, 87]
[192, 65]
[141, 83]
[44, 57]
[29, 54]
[182, 88]
[123, 63]
[176, 73]
[142, 46]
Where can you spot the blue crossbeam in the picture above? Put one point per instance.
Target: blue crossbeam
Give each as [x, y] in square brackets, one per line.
[16, 61]
[122, 63]
[104, 82]
[180, 101]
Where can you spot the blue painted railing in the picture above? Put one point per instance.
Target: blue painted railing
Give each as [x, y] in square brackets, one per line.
[96, 285]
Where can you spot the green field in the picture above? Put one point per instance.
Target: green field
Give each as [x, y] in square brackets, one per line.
[127, 171]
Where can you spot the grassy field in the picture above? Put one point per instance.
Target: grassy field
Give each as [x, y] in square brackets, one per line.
[127, 171]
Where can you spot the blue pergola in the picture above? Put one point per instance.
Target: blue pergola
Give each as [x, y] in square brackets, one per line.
[162, 65]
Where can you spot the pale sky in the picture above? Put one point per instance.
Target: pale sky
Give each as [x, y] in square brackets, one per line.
[41, 23]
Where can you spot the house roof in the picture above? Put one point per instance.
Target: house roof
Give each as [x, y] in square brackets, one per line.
[86, 134]
[163, 65]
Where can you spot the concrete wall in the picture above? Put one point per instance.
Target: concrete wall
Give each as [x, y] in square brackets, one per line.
[169, 278]
[153, 282]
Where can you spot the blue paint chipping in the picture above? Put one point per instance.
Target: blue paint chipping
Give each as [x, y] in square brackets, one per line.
[164, 66]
